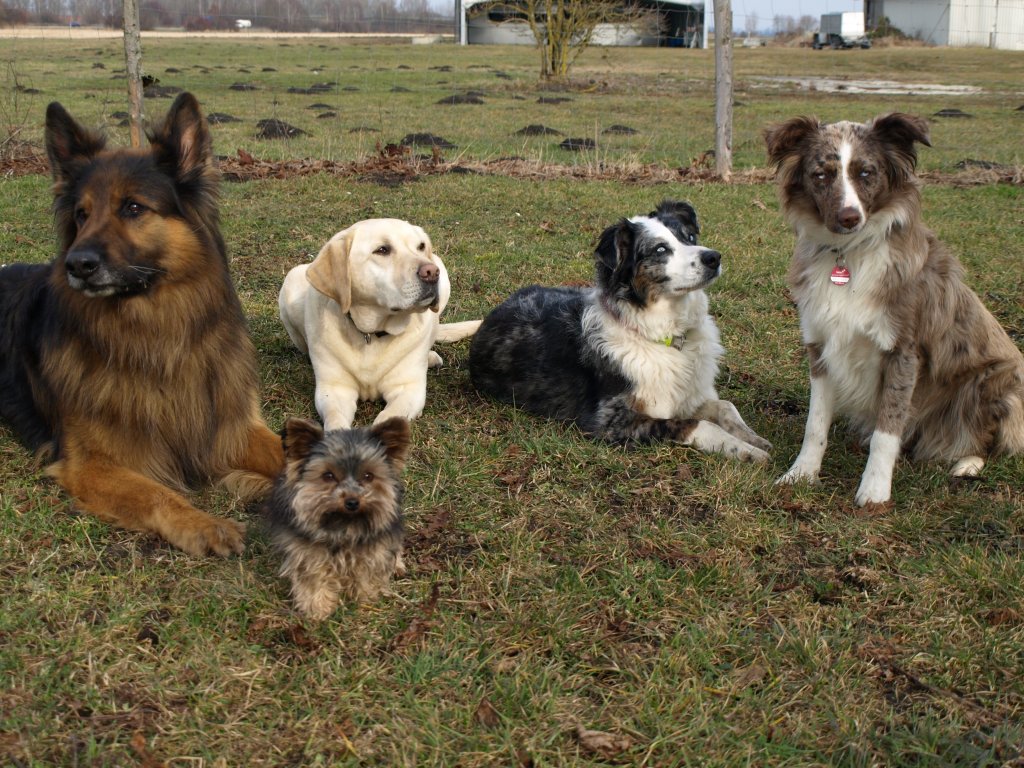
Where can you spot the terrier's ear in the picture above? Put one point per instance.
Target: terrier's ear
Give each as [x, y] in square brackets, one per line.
[298, 438]
[394, 435]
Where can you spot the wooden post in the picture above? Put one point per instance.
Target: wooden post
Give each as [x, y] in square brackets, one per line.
[723, 88]
[133, 64]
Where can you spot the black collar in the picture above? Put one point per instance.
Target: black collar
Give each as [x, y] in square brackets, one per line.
[368, 335]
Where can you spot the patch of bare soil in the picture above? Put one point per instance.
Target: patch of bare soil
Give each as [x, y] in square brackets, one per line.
[272, 128]
[394, 163]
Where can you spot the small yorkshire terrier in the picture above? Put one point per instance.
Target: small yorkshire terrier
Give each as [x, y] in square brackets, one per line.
[336, 512]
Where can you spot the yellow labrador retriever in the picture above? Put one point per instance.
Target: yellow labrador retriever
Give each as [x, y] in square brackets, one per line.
[366, 311]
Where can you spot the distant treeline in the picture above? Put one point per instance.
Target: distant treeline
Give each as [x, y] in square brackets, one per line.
[278, 15]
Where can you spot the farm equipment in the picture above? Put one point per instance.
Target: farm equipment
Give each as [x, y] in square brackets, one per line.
[841, 30]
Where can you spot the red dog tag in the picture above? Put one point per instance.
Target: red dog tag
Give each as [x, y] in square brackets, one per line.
[840, 275]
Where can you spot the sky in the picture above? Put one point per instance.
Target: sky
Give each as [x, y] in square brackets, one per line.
[767, 10]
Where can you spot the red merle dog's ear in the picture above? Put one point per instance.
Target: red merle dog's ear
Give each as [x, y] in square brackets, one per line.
[68, 144]
[897, 132]
[787, 138]
[182, 143]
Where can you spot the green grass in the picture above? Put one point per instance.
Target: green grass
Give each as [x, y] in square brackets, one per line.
[677, 601]
[663, 94]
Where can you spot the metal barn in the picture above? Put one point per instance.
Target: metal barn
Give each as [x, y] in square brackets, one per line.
[669, 23]
[958, 23]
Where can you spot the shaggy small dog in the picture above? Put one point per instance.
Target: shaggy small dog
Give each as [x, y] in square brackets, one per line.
[632, 360]
[336, 512]
[896, 339]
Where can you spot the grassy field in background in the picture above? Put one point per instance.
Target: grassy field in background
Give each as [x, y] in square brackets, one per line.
[386, 92]
[678, 603]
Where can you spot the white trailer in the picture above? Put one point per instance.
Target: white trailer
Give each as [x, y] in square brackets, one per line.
[841, 30]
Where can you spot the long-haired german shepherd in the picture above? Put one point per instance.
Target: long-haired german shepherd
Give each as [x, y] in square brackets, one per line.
[127, 360]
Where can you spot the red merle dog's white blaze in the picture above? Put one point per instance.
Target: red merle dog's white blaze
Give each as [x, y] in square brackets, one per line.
[851, 211]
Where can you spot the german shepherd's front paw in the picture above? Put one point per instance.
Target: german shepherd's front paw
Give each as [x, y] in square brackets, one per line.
[201, 534]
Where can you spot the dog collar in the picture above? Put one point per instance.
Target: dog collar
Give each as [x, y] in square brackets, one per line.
[368, 335]
[840, 274]
[676, 341]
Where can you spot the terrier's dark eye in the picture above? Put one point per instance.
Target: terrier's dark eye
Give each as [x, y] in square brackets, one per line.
[80, 216]
[368, 477]
[692, 238]
[328, 477]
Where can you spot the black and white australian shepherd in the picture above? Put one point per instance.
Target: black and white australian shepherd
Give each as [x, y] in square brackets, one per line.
[895, 339]
[632, 360]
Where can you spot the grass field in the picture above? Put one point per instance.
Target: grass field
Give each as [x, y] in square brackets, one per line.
[567, 603]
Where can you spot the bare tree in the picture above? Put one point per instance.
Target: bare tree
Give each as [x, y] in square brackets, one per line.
[750, 25]
[564, 29]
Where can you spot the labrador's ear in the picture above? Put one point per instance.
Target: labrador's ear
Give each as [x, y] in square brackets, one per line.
[444, 286]
[329, 272]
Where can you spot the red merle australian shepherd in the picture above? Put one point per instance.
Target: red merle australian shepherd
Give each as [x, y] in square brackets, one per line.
[632, 360]
[126, 360]
[896, 340]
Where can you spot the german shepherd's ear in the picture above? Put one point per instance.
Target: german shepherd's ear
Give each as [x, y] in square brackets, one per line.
[182, 143]
[68, 144]
[394, 436]
[786, 138]
[298, 438]
[329, 272]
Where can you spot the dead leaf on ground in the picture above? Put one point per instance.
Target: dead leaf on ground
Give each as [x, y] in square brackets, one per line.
[487, 715]
[601, 743]
[419, 626]
[141, 750]
[746, 677]
[1004, 617]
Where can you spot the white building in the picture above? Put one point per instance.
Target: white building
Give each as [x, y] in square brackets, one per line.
[959, 23]
[675, 23]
